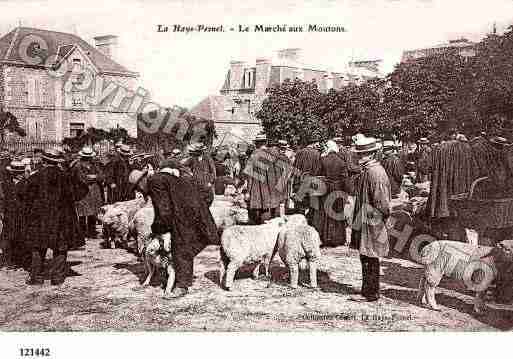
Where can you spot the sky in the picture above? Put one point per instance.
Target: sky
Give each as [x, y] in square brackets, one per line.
[182, 69]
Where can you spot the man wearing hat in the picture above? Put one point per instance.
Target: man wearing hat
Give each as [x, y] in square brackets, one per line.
[181, 209]
[423, 161]
[202, 166]
[281, 177]
[260, 174]
[307, 163]
[371, 211]
[51, 194]
[117, 171]
[13, 216]
[88, 170]
[393, 167]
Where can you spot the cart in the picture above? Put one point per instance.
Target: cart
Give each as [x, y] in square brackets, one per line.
[481, 214]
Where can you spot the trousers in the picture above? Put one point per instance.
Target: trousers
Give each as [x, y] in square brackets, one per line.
[370, 276]
[57, 267]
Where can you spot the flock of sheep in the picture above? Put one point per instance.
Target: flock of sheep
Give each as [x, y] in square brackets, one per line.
[129, 222]
[291, 237]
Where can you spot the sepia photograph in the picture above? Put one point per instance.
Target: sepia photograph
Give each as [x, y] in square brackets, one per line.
[277, 166]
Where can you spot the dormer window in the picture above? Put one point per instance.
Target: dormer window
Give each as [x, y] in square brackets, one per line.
[249, 78]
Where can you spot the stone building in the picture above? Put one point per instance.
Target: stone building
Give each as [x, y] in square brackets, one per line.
[245, 85]
[58, 85]
[462, 47]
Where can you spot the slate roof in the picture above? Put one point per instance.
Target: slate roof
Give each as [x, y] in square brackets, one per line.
[217, 108]
[58, 43]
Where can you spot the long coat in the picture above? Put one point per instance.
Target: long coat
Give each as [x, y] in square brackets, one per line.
[394, 168]
[117, 170]
[371, 210]
[204, 170]
[261, 178]
[52, 220]
[92, 202]
[181, 210]
[328, 218]
[306, 163]
[279, 181]
[14, 212]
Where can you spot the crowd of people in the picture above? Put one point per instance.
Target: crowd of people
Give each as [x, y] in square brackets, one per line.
[51, 200]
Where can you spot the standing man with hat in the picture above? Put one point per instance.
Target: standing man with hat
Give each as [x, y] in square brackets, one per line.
[89, 172]
[202, 165]
[423, 160]
[393, 167]
[260, 172]
[13, 216]
[307, 163]
[118, 170]
[371, 211]
[51, 194]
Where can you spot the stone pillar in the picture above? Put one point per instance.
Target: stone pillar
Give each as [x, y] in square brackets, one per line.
[262, 76]
[236, 74]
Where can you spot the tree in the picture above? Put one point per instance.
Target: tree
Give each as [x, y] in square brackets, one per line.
[293, 112]
[9, 124]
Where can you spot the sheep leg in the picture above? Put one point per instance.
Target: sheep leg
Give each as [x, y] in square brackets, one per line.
[256, 271]
[313, 274]
[430, 294]
[294, 275]
[170, 279]
[479, 302]
[230, 274]
[421, 296]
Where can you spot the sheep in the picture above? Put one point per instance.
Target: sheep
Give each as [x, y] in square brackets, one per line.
[140, 226]
[115, 220]
[250, 244]
[296, 243]
[477, 266]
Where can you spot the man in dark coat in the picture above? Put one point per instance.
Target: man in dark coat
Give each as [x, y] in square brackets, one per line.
[371, 210]
[393, 167]
[260, 178]
[51, 216]
[118, 170]
[423, 161]
[13, 215]
[202, 165]
[89, 172]
[307, 163]
[181, 209]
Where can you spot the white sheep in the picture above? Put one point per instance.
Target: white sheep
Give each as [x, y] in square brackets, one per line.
[477, 266]
[116, 218]
[251, 244]
[296, 243]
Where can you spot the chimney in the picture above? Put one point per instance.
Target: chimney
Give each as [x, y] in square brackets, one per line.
[263, 75]
[290, 54]
[236, 74]
[107, 45]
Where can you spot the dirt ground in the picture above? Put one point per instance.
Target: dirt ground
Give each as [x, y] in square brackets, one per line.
[104, 293]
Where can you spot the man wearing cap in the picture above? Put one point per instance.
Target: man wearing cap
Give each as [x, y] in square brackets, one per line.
[202, 166]
[423, 160]
[51, 194]
[117, 172]
[282, 172]
[260, 174]
[307, 163]
[89, 172]
[13, 215]
[393, 167]
[181, 209]
[371, 211]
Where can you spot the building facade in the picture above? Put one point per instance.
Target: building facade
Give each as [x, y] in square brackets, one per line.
[461, 47]
[58, 85]
[245, 85]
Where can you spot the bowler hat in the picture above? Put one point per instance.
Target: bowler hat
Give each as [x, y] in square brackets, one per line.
[125, 150]
[16, 166]
[53, 156]
[87, 152]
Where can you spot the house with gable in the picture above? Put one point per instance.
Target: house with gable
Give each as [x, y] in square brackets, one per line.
[50, 80]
